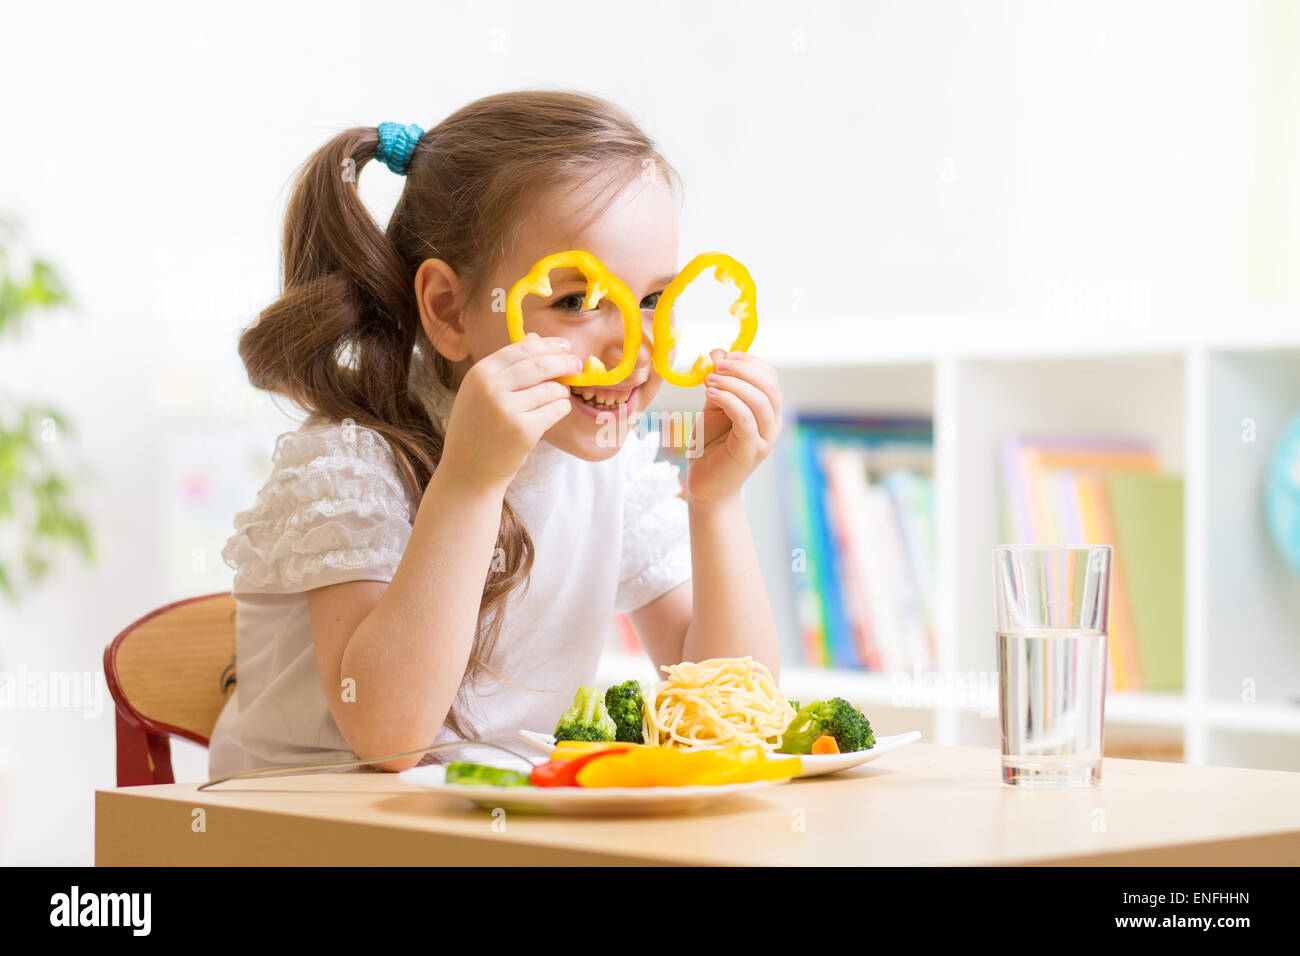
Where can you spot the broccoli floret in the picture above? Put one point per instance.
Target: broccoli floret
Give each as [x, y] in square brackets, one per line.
[794, 704]
[835, 717]
[587, 719]
[624, 703]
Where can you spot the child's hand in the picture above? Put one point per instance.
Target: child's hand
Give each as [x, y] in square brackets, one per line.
[504, 405]
[740, 423]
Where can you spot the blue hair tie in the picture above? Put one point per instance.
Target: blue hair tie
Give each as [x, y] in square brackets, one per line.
[396, 144]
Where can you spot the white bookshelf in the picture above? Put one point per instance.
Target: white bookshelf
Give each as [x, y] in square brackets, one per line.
[982, 376]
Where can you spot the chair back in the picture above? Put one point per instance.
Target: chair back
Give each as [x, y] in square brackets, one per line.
[170, 674]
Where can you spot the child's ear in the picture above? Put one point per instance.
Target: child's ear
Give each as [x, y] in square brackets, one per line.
[437, 290]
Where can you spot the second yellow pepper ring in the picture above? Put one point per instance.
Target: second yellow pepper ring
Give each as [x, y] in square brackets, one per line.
[601, 284]
[745, 308]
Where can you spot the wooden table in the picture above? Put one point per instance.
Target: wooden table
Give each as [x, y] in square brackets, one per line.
[923, 804]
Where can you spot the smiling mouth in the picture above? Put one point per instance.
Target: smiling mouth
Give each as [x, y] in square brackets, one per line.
[601, 398]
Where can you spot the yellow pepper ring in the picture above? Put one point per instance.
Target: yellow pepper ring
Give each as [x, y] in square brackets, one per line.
[601, 284]
[745, 308]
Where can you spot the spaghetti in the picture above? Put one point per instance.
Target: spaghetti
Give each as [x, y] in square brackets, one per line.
[724, 702]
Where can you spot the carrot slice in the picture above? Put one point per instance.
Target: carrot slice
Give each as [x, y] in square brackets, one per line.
[825, 744]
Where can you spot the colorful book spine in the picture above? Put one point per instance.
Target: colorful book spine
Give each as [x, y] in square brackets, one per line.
[845, 474]
[1100, 530]
[803, 560]
[908, 617]
[1148, 516]
[864, 599]
[1074, 490]
[837, 650]
[912, 495]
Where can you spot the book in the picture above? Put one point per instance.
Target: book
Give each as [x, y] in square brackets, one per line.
[1148, 516]
[821, 565]
[1054, 494]
[858, 510]
[1125, 667]
[831, 527]
[912, 494]
[857, 597]
[845, 477]
[804, 564]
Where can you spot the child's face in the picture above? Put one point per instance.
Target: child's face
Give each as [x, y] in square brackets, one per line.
[635, 236]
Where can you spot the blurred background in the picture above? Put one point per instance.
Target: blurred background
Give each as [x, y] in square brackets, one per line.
[1028, 270]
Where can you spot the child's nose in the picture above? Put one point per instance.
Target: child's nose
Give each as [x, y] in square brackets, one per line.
[611, 345]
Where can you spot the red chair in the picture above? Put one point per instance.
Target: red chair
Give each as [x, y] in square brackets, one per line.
[170, 673]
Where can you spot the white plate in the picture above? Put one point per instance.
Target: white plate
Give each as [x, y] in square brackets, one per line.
[814, 765]
[602, 801]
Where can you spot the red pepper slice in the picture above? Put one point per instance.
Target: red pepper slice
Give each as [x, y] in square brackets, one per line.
[564, 773]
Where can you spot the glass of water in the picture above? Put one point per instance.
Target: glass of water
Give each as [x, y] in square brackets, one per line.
[1052, 607]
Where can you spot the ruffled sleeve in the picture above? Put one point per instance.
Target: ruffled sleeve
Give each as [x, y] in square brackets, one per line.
[333, 510]
[656, 530]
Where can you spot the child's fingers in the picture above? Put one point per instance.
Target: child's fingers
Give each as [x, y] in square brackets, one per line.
[531, 344]
[551, 412]
[536, 396]
[754, 397]
[531, 369]
[742, 419]
[755, 371]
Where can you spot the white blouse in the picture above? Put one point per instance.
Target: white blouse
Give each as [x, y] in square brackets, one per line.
[334, 510]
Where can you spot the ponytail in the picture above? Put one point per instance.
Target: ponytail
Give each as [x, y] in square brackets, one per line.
[338, 341]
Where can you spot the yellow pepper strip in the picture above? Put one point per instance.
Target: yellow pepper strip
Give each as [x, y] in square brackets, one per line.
[745, 308]
[648, 767]
[667, 767]
[569, 749]
[601, 284]
[743, 764]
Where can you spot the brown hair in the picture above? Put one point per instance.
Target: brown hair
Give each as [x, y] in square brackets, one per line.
[340, 340]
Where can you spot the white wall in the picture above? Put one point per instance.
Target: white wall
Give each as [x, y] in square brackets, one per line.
[863, 159]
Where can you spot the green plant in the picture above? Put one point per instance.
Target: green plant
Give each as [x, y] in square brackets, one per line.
[37, 514]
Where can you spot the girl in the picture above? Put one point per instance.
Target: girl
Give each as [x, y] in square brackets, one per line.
[442, 543]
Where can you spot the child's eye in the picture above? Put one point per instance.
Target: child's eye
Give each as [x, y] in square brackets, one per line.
[650, 301]
[573, 302]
